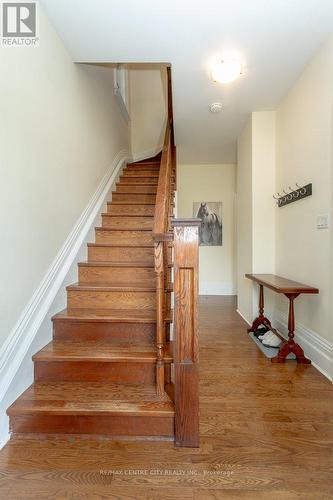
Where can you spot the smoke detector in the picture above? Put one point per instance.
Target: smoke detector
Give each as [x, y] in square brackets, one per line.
[215, 107]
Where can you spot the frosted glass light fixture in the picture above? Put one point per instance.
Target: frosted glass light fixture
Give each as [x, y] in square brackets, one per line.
[226, 71]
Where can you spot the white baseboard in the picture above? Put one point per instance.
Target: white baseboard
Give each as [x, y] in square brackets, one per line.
[243, 317]
[315, 347]
[31, 330]
[216, 288]
[146, 154]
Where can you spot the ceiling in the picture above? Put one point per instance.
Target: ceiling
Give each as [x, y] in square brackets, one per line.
[273, 38]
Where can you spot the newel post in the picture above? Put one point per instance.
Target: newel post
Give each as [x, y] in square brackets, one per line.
[186, 353]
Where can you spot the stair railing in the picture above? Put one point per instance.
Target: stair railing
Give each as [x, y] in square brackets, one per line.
[176, 242]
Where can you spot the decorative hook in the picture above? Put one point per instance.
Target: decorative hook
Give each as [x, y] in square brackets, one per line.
[288, 196]
[302, 189]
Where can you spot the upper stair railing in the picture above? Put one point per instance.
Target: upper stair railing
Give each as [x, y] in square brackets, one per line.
[176, 242]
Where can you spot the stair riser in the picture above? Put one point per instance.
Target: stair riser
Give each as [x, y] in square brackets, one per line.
[87, 299]
[124, 237]
[95, 424]
[137, 210]
[136, 197]
[127, 222]
[140, 180]
[114, 275]
[104, 331]
[130, 188]
[121, 254]
[142, 173]
[139, 168]
[76, 371]
[155, 164]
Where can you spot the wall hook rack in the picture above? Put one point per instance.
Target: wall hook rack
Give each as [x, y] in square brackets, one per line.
[294, 194]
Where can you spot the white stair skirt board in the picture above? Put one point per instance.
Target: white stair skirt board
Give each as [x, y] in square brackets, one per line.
[147, 154]
[315, 347]
[319, 350]
[33, 330]
[216, 288]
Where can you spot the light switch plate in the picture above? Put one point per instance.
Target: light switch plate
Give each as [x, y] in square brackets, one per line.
[323, 221]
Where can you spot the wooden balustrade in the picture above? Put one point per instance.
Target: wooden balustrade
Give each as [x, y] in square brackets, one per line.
[184, 235]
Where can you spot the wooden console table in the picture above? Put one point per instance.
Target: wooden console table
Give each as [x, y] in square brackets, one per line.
[291, 289]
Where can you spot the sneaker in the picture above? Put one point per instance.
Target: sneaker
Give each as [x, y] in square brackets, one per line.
[260, 331]
[273, 341]
[265, 335]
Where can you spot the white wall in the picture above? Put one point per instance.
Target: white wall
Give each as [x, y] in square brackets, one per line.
[256, 210]
[304, 154]
[217, 272]
[148, 109]
[244, 222]
[60, 130]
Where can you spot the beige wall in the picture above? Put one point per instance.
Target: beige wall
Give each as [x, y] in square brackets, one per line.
[148, 109]
[256, 209]
[244, 221]
[304, 154]
[60, 130]
[212, 183]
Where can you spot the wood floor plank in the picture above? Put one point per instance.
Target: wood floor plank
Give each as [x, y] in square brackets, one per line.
[266, 433]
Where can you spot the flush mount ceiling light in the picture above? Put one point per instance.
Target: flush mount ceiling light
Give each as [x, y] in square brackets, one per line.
[226, 71]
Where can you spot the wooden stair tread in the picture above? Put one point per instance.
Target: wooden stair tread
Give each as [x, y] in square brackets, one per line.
[97, 351]
[122, 245]
[106, 287]
[118, 264]
[124, 182]
[126, 179]
[143, 162]
[140, 174]
[130, 202]
[105, 228]
[133, 193]
[134, 216]
[91, 398]
[109, 315]
[119, 287]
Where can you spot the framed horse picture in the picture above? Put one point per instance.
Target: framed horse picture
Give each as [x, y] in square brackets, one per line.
[210, 213]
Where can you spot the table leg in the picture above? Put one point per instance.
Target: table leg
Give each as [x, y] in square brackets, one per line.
[290, 345]
[261, 319]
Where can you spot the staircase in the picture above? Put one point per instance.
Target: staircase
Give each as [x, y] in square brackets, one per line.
[107, 371]
[98, 375]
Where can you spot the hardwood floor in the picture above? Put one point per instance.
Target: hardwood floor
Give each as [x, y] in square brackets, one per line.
[266, 433]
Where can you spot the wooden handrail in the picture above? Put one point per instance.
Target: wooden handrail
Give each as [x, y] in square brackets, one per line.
[184, 234]
[170, 105]
[161, 234]
[161, 218]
